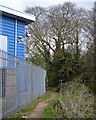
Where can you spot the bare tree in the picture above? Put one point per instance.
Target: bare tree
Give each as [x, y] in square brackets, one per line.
[57, 30]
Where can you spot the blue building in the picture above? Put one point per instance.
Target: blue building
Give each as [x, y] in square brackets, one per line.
[12, 28]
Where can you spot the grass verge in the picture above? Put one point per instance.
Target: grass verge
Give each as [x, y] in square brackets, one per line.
[27, 110]
[48, 111]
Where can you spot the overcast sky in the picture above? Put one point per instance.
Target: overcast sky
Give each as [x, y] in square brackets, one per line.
[22, 4]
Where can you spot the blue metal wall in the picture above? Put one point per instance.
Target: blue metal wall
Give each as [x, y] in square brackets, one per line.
[20, 32]
[0, 23]
[8, 29]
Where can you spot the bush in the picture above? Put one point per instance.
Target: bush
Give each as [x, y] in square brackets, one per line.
[75, 101]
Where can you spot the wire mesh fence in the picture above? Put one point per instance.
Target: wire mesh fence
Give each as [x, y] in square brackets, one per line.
[20, 83]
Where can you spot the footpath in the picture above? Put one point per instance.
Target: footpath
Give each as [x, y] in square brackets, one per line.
[40, 107]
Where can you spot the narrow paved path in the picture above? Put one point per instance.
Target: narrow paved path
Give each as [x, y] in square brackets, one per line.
[40, 107]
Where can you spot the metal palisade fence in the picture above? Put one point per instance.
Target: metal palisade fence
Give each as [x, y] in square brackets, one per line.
[20, 83]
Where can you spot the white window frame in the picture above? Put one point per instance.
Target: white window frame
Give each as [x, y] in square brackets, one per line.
[3, 47]
[3, 42]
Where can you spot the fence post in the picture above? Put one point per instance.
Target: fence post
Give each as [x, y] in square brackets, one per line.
[17, 87]
[30, 81]
[0, 94]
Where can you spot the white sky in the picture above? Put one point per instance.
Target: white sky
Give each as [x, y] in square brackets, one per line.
[22, 4]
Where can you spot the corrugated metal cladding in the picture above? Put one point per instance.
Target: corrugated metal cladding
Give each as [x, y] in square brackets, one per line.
[20, 32]
[8, 29]
[0, 24]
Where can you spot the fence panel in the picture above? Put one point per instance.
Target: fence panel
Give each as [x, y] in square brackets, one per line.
[28, 81]
[8, 92]
[20, 82]
[0, 93]
[20, 68]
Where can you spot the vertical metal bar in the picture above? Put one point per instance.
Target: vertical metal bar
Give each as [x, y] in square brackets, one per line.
[0, 94]
[17, 81]
[15, 37]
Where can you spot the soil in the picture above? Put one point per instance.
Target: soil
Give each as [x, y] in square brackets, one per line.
[40, 107]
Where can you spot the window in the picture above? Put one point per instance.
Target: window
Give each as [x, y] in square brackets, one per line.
[3, 43]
